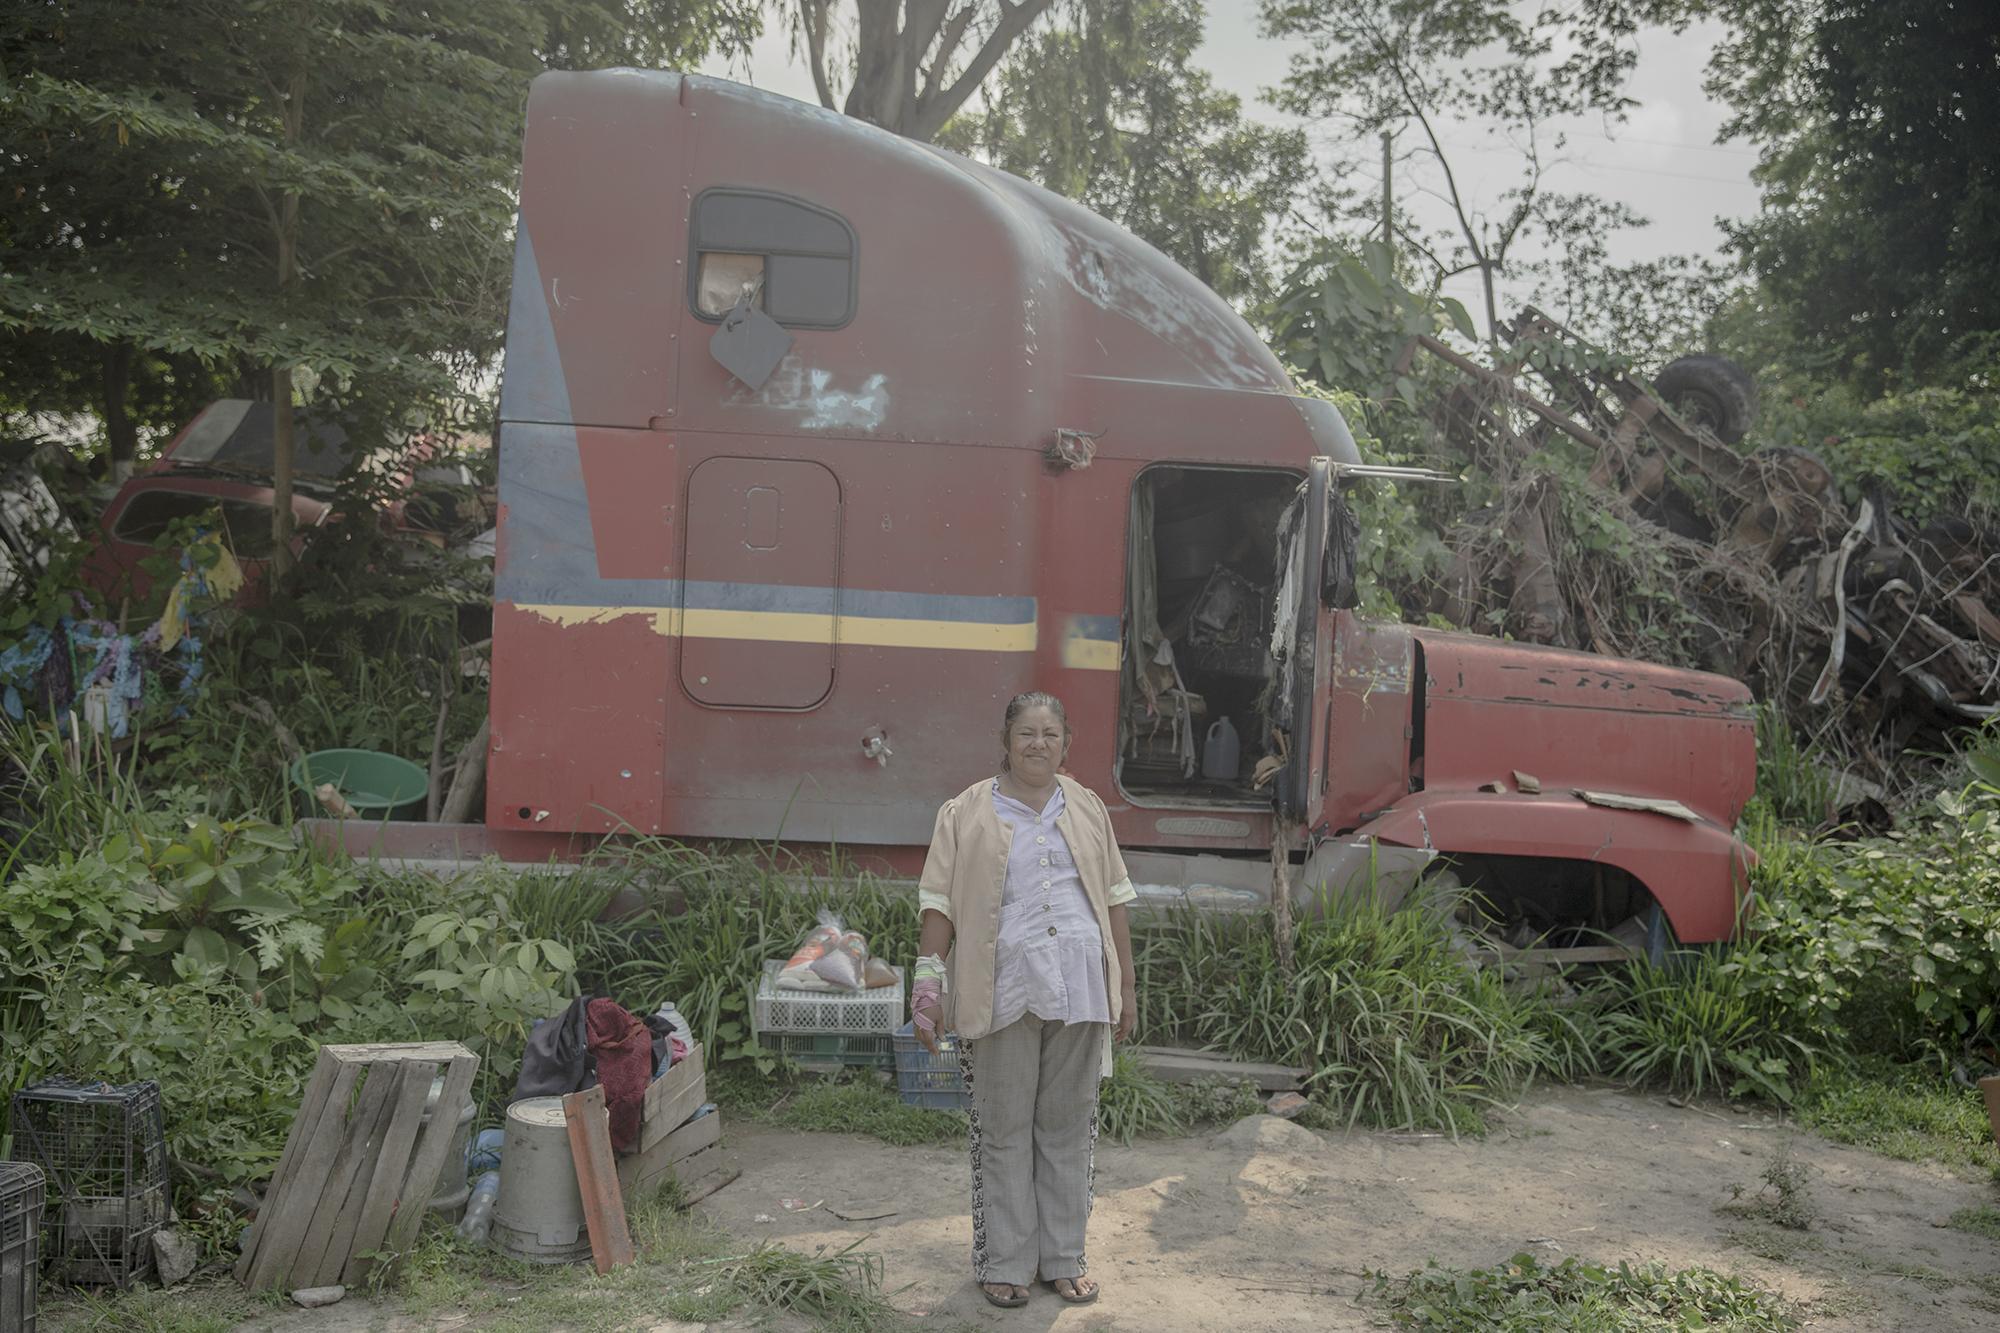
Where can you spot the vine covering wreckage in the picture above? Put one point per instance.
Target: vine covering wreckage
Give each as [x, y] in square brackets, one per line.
[1875, 634]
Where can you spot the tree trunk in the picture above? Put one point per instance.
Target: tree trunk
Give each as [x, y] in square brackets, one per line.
[468, 783]
[1492, 310]
[281, 376]
[119, 431]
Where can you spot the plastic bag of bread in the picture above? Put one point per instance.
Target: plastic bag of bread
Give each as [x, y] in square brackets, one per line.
[844, 964]
[798, 973]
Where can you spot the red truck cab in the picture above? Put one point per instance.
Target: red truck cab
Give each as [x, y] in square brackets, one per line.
[998, 444]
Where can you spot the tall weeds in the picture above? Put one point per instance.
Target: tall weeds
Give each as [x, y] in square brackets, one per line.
[1396, 1024]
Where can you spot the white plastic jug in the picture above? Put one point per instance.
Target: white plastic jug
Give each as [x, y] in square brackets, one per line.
[1222, 755]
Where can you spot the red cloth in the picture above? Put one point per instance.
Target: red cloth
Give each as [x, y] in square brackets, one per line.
[623, 1049]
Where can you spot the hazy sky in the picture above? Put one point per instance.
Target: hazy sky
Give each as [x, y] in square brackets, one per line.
[1663, 161]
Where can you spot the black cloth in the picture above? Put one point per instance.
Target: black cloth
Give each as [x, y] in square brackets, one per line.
[663, 1050]
[557, 1060]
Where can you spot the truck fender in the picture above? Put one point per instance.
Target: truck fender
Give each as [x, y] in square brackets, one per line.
[1695, 869]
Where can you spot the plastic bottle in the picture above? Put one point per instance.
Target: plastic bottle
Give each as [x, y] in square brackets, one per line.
[677, 1023]
[1222, 756]
[477, 1224]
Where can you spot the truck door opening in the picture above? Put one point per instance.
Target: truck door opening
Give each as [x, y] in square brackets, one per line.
[1195, 691]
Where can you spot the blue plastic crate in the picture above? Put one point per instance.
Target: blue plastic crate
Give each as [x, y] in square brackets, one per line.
[930, 1081]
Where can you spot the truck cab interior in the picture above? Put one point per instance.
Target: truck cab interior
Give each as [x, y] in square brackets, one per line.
[1201, 565]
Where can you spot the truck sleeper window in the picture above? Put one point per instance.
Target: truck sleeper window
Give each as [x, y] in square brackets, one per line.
[794, 260]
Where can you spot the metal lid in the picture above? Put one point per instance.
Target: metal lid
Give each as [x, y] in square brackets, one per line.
[539, 1111]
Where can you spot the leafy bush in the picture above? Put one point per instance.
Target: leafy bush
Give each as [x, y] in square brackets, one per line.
[1521, 1296]
[1888, 946]
[1934, 451]
[230, 1070]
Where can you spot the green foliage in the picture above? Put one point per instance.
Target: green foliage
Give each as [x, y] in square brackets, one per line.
[1428, 68]
[1696, 1026]
[1932, 451]
[201, 183]
[1345, 315]
[1211, 1101]
[1910, 1113]
[1132, 1103]
[1576, 1296]
[1785, 1198]
[841, 1290]
[1981, 1221]
[1400, 1029]
[1792, 786]
[1889, 945]
[864, 1106]
[733, 914]
[230, 1070]
[1875, 125]
[1399, 555]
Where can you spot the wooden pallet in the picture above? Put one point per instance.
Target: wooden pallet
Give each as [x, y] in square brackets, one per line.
[359, 1166]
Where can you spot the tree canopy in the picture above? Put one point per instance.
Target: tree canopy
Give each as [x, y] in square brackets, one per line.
[1880, 134]
[310, 187]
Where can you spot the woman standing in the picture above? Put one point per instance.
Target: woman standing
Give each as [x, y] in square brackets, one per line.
[1024, 894]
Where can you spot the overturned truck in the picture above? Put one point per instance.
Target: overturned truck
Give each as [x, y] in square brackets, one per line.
[818, 444]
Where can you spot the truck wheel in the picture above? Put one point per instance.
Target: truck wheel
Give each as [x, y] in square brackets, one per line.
[1710, 393]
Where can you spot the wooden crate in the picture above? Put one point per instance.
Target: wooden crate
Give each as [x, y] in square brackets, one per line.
[359, 1166]
[666, 1134]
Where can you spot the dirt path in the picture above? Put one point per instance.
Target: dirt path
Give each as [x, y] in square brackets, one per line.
[1266, 1226]
[1186, 1232]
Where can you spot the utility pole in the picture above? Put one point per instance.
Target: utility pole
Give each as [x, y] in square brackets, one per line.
[1388, 195]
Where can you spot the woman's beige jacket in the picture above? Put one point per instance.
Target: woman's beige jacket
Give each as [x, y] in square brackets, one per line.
[965, 877]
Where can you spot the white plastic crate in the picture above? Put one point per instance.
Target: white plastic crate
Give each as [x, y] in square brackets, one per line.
[875, 1012]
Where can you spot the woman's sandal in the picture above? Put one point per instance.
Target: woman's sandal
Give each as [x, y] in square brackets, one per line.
[1008, 1302]
[1074, 1296]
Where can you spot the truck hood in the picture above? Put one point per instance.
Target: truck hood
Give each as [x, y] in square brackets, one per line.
[1573, 720]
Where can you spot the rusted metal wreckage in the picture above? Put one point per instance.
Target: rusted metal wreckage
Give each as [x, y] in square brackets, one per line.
[1869, 628]
[818, 444]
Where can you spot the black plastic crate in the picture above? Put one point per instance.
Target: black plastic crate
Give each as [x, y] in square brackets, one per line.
[103, 1156]
[20, 1244]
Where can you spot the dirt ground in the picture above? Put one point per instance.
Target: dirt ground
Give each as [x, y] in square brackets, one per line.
[1267, 1226]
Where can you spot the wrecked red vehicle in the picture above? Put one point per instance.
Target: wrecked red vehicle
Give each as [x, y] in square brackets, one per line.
[221, 460]
[818, 444]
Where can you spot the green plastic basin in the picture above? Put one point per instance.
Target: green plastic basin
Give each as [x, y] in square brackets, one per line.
[378, 786]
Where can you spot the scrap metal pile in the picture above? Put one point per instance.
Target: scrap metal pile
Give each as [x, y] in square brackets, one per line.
[1655, 539]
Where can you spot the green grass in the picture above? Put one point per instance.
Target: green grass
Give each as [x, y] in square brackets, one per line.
[1131, 1104]
[867, 1107]
[1576, 1296]
[204, 1306]
[1981, 1221]
[1910, 1114]
[1401, 1031]
[688, 1269]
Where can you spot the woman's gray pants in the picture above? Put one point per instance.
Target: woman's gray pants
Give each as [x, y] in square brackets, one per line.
[1034, 1130]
